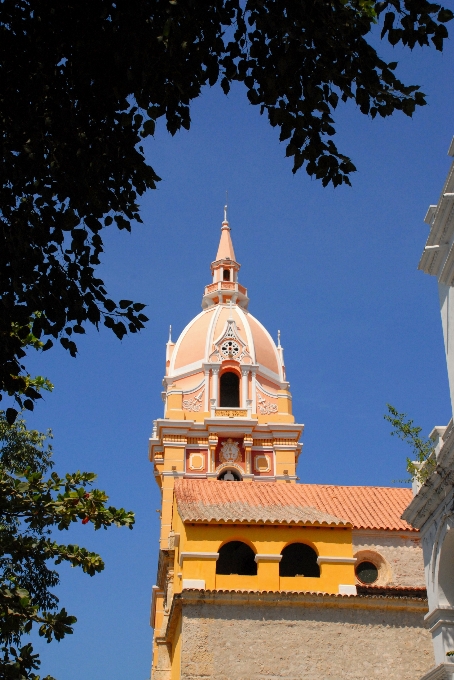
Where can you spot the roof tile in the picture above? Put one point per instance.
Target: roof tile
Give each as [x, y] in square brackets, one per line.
[364, 507]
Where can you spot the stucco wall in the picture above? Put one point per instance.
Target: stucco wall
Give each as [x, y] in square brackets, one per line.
[401, 551]
[299, 643]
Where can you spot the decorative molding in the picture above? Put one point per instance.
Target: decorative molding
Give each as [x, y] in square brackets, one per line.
[230, 345]
[265, 391]
[230, 452]
[191, 461]
[230, 413]
[264, 407]
[195, 402]
[266, 458]
[267, 558]
[198, 556]
[445, 671]
[335, 560]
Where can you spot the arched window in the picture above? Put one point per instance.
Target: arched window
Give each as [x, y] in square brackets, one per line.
[226, 275]
[299, 559]
[230, 390]
[236, 557]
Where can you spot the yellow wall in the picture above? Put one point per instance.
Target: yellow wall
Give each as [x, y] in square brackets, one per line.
[176, 652]
[263, 539]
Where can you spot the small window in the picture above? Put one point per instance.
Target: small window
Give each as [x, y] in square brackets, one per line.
[366, 572]
[299, 559]
[226, 275]
[230, 390]
[236, 557]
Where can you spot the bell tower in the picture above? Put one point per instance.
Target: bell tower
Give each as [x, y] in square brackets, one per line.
[227, 404]
[227, 424]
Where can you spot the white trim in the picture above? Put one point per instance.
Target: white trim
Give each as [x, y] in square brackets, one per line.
[336, 560]
[193, 583]
[209, 338]
[347, 590]
[192, 389]
[271, 375]
[247, 329]
[267, 558]
[198, 556]
[268, 394]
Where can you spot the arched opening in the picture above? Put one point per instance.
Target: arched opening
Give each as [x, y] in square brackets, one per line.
[229, 390]
[299, 559]
[226, 275]
[236, 557]
[445, 571]
[230, 476]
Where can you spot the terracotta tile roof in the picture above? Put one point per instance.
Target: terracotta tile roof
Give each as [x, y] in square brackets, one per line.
[393, 591]
[201, 500]
[364, 507]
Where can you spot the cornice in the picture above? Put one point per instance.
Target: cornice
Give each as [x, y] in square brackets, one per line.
[438, 256]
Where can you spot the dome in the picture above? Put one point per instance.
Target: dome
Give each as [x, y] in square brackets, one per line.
[226, 332]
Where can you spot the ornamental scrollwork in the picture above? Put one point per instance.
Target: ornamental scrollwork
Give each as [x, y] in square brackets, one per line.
[194, 403]
[265, 407]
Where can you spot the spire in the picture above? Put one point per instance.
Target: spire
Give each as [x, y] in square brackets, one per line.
[225, 289]
[225, 250]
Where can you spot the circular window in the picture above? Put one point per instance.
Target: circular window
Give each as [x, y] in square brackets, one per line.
[230, 349]
[366, 572]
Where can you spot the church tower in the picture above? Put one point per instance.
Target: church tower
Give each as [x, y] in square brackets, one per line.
[242, 544]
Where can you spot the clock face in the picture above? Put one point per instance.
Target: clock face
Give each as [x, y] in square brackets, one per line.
[230, 348]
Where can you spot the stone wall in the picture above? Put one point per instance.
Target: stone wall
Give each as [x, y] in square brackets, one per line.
[403, 563]
[240, 642]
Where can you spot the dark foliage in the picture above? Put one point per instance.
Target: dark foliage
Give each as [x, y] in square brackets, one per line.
[82, 83]
[31, 505]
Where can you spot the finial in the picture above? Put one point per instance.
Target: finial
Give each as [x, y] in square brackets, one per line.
[170, 333]
[226, 204]
[279, 339]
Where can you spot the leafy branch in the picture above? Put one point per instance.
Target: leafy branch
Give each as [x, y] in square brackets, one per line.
[423, 461]
[32, 506]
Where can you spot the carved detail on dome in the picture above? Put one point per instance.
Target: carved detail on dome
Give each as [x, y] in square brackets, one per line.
[230, 345]
[193, 398]
[266, 401]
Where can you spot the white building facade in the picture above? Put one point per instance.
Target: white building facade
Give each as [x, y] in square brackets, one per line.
[432, 508]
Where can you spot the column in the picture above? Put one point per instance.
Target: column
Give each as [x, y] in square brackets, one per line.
[254, 391]
[244, 387]
[207, 389]
[215, 386]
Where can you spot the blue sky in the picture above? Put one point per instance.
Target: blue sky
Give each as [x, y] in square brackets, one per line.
[334, 270]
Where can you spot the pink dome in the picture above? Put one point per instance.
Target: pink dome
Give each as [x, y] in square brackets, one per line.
[198, 342]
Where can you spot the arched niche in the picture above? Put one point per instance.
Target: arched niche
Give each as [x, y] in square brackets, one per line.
[446, 570]
[236, 557]
[230, 475]
[299, 559]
